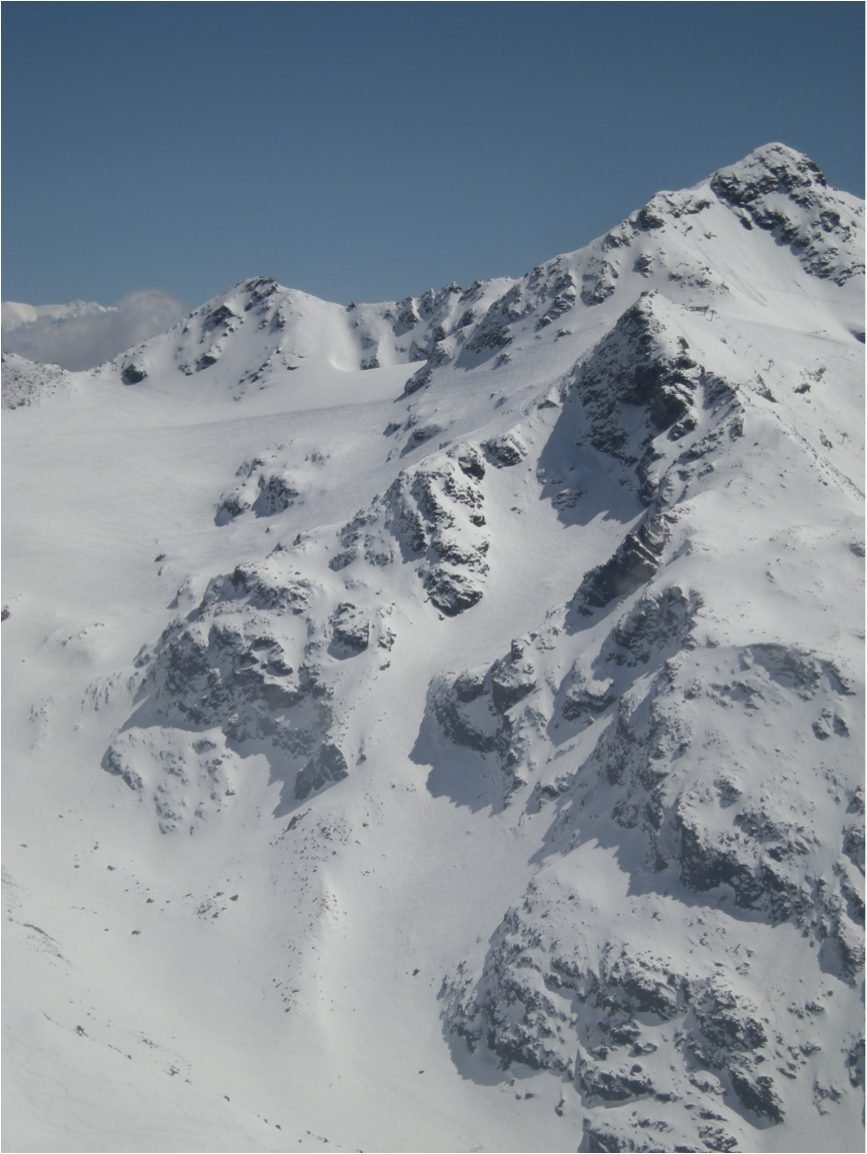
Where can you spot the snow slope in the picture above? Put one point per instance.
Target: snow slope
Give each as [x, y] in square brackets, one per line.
[438, 725]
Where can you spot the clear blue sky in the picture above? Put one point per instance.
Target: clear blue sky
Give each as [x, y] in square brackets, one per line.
[369, 150]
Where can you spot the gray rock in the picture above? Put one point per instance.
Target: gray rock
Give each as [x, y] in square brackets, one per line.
[132, 374]
[326, 767]
[613, 1085]
[505, 450]
[635, 562]
[350, 628]
[276, 494]
[758, 1094]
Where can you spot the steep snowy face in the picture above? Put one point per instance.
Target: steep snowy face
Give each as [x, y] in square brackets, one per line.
[472, 682]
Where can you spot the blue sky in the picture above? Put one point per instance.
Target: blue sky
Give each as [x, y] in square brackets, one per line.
[367, 151]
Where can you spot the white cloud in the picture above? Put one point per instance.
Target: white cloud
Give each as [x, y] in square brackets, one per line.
[83, 334]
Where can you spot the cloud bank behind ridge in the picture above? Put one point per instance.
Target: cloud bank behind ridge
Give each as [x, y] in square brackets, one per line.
[84, 334]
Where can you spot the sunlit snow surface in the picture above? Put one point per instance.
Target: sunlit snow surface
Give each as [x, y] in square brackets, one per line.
[438, 725]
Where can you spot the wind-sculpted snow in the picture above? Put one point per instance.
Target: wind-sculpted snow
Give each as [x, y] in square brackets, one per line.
[439, 723]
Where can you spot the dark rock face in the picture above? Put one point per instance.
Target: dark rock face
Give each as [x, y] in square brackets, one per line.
[451, 592]
[437, 506]
[421, 433]
[641, 398]
[626, 1008]
[421, 378]
[758, 1094]
[623, 1085]
[470, 462]
[231, 505]
[634, 563]
[328, 765]
[260, 586]
[259, 290]
[132, 374]
[641, 985]
[600, 1137]
[659, 625]
[584, 704]
[505, 450]
[639, 363]
[483, 331]
[498, 709]
[727, 1021]
[350, 629]
[511, 680]
[114, 762]
[407, 317]
[564, 291]
[219, 318]
[225, 677]
[363, 538]
[510, 1011]
[709, 833]
[598, 281]
[276, 494]
[855, 1063]
[493, 333]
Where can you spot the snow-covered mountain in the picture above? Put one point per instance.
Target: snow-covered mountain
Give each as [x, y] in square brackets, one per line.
[438, 725]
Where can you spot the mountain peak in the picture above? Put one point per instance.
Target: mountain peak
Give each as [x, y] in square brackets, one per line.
[783, 192]
[771, 168]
